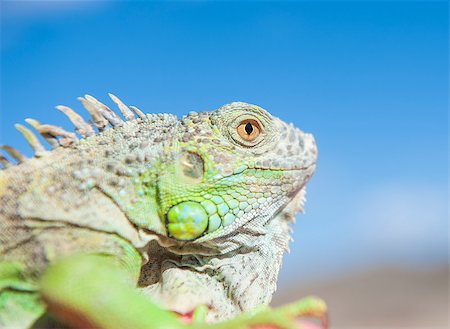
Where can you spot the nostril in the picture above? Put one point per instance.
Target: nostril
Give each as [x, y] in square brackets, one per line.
[301, 143]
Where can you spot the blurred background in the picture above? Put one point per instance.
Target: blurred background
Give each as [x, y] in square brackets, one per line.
[368, 79]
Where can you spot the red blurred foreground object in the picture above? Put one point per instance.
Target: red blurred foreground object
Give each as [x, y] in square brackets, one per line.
[302, 325]
[291, 315]
[187, 318]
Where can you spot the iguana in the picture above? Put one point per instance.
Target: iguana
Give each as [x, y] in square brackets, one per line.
[152, 214]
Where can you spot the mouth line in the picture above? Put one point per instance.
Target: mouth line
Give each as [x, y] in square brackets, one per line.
[282, 169]
[271, 169]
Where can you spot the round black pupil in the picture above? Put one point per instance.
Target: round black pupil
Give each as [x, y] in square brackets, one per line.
[248, 128]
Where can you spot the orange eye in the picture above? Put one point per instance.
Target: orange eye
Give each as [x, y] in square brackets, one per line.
[249, 129]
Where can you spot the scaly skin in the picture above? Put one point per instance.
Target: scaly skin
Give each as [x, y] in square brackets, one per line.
[192, 212]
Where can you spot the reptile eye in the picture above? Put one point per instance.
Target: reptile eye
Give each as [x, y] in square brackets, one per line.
[249, 129]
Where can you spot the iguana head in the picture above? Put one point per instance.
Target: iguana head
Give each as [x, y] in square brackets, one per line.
[229, 167]
[233, 179]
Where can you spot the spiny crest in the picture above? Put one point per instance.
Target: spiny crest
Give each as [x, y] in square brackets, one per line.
[101, 116]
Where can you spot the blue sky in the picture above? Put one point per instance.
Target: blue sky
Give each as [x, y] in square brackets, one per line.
[368, 79]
